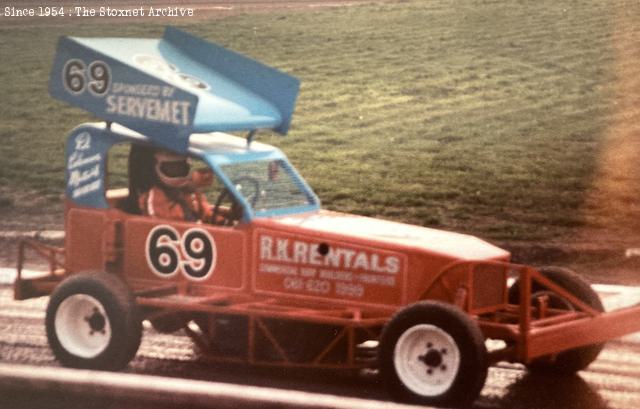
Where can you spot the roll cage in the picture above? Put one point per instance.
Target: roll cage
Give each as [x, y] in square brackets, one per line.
[87, 153]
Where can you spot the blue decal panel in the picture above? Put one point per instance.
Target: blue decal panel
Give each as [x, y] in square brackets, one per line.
[170, 88]
[85, 168]
[110, 89]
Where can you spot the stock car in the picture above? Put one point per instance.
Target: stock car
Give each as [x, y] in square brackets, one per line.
[273, 279]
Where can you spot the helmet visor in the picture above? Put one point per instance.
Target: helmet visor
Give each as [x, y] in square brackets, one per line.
[175, 168]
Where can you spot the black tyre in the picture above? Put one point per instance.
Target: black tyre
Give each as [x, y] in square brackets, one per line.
[92, 322]
[432, 353]
[573, 360]
[168, 324]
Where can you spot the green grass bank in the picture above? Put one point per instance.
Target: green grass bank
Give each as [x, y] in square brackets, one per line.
[485, 117]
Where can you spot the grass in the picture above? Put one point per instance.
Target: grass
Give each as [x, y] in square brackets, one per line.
[484, 117]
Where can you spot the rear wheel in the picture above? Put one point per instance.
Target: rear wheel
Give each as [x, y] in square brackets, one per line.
[573, 360]
[92, 322]
[432, 353]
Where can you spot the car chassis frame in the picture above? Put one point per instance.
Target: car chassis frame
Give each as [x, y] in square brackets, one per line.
[529, 331]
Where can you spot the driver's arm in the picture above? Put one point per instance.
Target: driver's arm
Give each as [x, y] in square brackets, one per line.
[203, 178]
[208, 210]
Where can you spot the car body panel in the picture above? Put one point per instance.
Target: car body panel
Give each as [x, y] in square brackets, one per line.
[227, 267]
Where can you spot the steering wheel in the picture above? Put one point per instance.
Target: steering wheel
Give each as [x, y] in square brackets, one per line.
[235, 212]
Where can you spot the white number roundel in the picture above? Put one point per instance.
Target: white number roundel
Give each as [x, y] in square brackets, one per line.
[194, 253]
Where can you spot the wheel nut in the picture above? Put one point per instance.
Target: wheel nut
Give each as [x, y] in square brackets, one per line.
[96, 321]
[432, 358]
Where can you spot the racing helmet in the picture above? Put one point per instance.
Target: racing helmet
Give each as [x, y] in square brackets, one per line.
[172, 169]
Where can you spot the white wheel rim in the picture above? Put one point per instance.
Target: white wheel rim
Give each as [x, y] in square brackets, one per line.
[82, 326]
[426, 360]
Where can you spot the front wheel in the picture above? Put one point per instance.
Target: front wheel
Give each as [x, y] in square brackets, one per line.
[432, 353]
[92, 322]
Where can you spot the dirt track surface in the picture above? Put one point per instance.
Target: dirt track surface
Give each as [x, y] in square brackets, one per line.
[609, 383]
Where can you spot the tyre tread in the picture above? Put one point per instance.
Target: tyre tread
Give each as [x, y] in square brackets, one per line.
[474, 366]
[118, 300]
[573, 360]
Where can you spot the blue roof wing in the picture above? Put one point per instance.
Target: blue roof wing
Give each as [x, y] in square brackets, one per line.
[172, 87]
[264, 91]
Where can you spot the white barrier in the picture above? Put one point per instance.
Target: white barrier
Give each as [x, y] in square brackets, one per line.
[8, 274]
[147, 389]
[53, 235]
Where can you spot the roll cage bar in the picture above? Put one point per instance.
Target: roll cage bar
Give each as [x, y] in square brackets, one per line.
[88, 146]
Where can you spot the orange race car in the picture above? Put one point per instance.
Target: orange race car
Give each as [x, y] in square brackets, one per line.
[254, 270]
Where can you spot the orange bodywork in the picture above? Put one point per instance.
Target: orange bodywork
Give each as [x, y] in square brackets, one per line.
[268, 273]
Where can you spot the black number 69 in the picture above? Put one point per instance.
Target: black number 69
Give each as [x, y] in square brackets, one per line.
[74, 77]
[194, 253]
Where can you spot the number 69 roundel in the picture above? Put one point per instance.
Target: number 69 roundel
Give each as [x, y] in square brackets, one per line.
[193, 252]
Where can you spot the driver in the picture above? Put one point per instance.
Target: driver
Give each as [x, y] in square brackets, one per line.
[173, 194]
